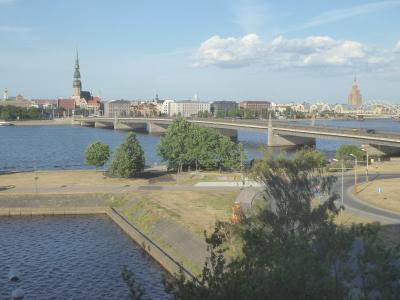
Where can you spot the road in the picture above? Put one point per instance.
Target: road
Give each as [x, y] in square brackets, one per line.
[354, 205]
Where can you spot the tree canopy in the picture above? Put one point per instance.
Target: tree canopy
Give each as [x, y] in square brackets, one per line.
[186, 144]
[97, 154]
[293, 249]
[128, 159]
[344, 151]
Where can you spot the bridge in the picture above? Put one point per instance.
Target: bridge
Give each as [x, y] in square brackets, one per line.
[280, 133]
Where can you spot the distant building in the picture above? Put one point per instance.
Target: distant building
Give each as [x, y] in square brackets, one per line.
[44, 103]
[94, 105]
[188, 108]
[144, 109]
[68, 104]
[117, 108]
[354, 97]
[223, 107]
[166, 107]
[83, 99]
[255, 105]
[5, 94]
[17, 101]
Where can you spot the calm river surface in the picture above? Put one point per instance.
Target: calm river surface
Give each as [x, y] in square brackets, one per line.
[72, 257]
[62, 147]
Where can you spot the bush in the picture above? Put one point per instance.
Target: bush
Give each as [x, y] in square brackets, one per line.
[344, 151]
[128, 159]
[97, 154]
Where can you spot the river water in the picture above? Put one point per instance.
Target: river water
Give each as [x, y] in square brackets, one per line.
[72, 257]
[62, 147]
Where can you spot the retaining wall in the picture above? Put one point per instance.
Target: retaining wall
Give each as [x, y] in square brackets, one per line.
[156, 252]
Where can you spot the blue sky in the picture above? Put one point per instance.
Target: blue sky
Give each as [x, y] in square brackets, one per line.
[275, 50]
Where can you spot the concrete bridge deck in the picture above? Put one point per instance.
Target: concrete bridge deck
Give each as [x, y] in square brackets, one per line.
[284, 133]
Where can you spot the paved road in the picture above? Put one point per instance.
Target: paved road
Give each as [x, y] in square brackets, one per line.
[355, 205]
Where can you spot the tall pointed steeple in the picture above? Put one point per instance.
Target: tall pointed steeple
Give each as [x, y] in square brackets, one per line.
[77, 73]
[77, 84]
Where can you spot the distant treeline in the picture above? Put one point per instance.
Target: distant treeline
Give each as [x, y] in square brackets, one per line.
[12, 113]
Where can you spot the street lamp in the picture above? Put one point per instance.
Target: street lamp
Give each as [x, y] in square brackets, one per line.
[355, 171]
[366, 170]
[334, 159]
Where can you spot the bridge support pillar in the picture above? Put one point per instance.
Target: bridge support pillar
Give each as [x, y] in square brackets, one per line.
[275, 140]
[104, 125]
[121, 125]
[231, 133]
[154, 128]
[87, 124]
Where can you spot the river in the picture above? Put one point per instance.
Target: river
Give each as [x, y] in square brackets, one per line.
[62, 147]
[73, 257]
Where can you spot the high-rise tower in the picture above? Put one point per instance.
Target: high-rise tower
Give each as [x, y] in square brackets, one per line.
[355, 97]
[5, 95]
[77, 84]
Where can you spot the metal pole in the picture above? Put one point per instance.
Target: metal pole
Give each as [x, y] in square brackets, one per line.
[342, 184]
[367, 166]
[355, 174]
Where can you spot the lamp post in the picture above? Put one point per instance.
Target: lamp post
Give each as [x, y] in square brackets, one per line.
[366, 170]
[355, 171]
[342, 179]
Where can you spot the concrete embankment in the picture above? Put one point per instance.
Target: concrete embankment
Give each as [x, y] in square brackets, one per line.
[34, 205]
[66, 121]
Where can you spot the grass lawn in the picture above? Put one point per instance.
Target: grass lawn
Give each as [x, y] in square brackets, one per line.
[388, 198]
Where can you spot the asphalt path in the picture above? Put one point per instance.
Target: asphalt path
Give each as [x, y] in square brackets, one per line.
[354, 205]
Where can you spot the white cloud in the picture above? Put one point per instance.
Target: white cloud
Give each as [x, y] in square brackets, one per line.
[229, 52]
[318, 51]
[313, 51]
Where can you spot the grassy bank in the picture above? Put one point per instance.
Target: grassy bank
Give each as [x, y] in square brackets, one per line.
[382, 193]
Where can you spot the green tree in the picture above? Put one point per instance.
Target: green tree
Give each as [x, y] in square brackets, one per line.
[344, 151]
[293, 249]
[311, 158]
[173, 146]
[128, 159]
[228, 154]
[97, 154]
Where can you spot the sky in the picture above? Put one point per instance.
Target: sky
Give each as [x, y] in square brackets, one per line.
[281, 51]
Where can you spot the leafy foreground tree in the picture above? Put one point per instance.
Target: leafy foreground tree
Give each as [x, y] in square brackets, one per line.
[312, 159]
[186, 144]
[128, 159]
[97, 154]
[294, 250]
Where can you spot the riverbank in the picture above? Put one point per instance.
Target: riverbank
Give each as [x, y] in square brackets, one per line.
[62, 121]
[173, 216]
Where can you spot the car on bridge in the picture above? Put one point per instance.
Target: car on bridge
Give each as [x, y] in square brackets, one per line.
[372, 131]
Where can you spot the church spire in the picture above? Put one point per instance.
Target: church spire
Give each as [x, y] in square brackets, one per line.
[77, 73]
[77, 84]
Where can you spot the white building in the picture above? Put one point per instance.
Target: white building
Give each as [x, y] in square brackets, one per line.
[187, 108]
[166, 107]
